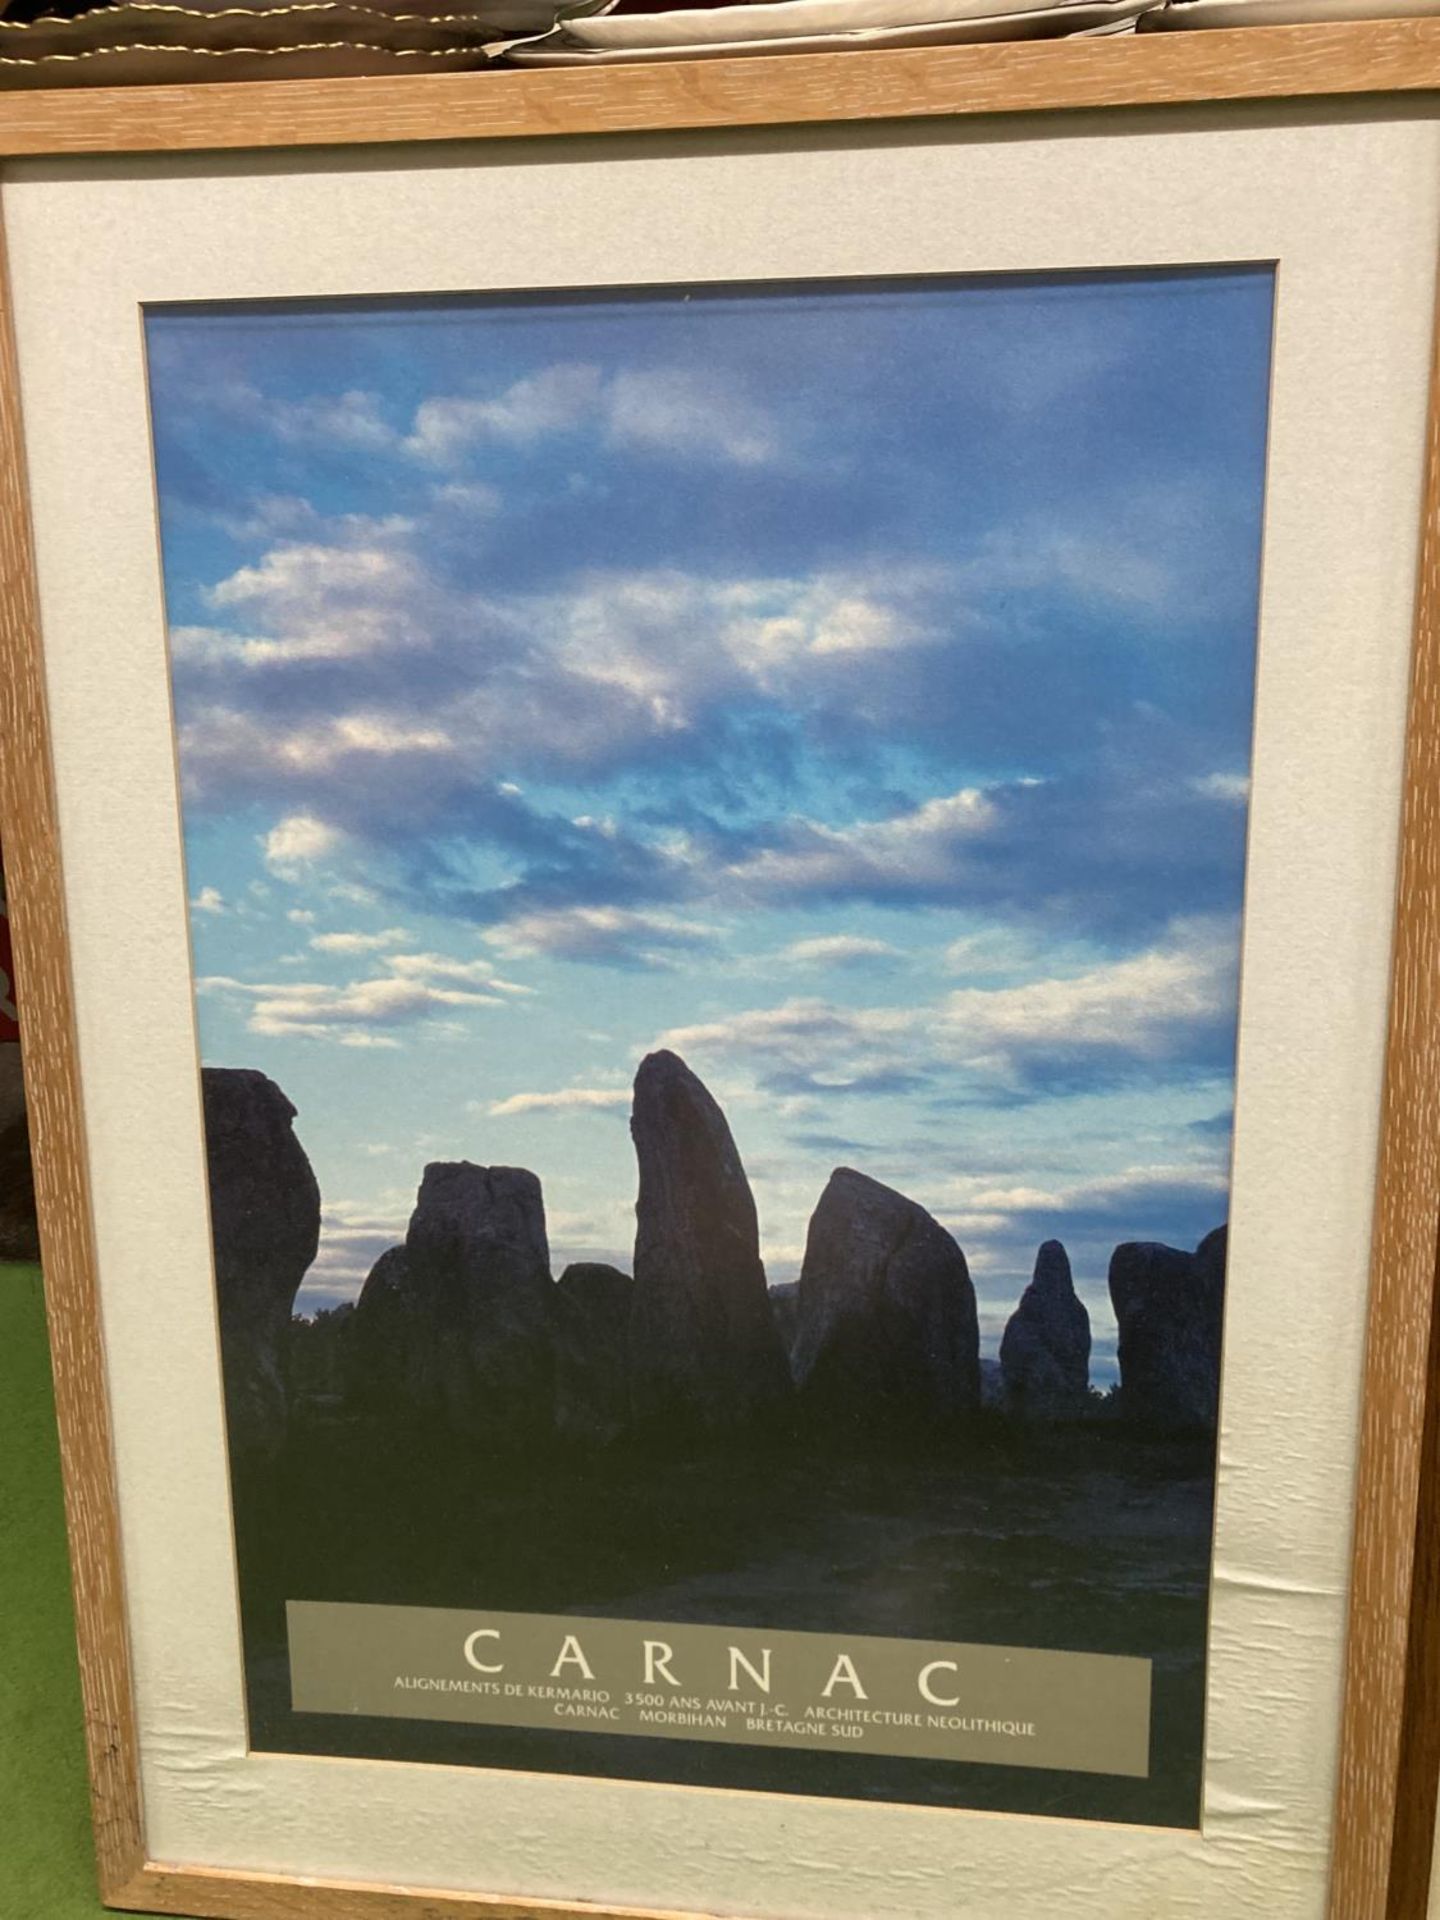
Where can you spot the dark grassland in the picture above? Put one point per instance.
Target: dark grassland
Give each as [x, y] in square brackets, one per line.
[1084, 1537]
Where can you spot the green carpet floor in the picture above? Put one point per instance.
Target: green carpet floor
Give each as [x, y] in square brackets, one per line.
[46, 1864]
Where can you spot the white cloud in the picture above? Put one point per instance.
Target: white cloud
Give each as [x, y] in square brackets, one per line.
[833, 1044]
[298, 841]
[1123, 1203]
[839, 950]
[600, 933]
[282, 517]
[672, 410]
[438, 966]
[221, 742]
[209, 900]
[676, 410]
[552, 401]
[321, 600]
[1231, 787]
[1152, 1007]
[1101, 562]
[1137, 1004]
[361, 1013]
[1129, 1188]
[583, 677]
[920, 847]
[565, 1100]
[358, 942]
[673, 642]
[994, 949]
[301, 916]
[350, 419]
[475, 499]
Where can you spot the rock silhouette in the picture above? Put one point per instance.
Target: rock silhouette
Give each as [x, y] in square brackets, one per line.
[265, 1222]
[1169, 1307]
[785, 1306]
[1045, 1350]
[319, 1364]
[992, 1386]
[388, 1339]
[888, 1327]
[457, 1325]
[704, 1349]
[592, 1351]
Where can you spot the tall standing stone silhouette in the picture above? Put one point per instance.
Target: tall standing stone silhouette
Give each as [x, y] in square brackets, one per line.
[265, 1223]
[704, 1350]
[887, 1328]
[1169, 1307]
[592, 1351]
[1045, 1350]
[785, 1306]
[455, 1327]
[389, 1343]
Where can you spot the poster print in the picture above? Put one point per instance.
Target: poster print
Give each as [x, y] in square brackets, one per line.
[715, 826]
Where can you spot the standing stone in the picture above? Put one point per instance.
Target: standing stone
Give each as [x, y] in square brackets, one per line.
[888, 1328]
[386, 1339]
[318, 1357]
[455, 1327]
[703, 1345]
[992, 1386]
[785, 1305]
[592, 1351]
[265, 1222]
[1169, 1307]
[1045, 1351]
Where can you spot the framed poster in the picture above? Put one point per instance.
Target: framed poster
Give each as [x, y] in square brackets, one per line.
[729, 905]
[671, 664]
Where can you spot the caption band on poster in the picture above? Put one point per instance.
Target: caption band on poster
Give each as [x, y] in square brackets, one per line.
[1019, 1706]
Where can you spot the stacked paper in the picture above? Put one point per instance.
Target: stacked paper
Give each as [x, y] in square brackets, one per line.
[1281, 13]
[794, 26]
[152, 42]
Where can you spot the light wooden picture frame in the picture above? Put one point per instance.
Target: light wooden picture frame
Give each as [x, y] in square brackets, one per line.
[1389, 1755]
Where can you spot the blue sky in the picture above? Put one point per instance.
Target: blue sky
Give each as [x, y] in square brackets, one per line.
[849, 687]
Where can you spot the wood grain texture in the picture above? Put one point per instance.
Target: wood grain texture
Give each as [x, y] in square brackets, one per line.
[219, 1895]
[1253, 63]
[1387, 1602]
[29, 831]
[1418, 1762]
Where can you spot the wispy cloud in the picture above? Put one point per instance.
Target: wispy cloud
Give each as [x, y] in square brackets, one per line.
[602, 935]
[914, 850]
[563, 1100]
[359, 942]
[675, 411]
[414, 705]
[840, 950]
[357, 588]
[1232, 787]
[361, 1013]
[1170, 1005]
[681, 411]
[353, 419]
[438, 966]
[555, 400]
